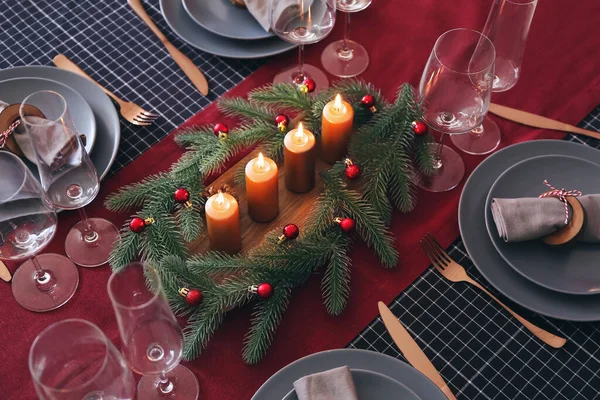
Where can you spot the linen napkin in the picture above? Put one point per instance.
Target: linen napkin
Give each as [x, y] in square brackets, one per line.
[335, 384]
[519, 220]
[260, 9]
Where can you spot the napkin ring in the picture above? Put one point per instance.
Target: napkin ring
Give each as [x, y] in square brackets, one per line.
[572, 228]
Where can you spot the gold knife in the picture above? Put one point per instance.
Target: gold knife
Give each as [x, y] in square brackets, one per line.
[537, 121]
[4, 272]
[186, 65]
[411, 350]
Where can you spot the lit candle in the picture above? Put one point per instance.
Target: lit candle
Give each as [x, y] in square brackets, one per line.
[299, 160]
[223, 223]
[336, 129]
[262, 189]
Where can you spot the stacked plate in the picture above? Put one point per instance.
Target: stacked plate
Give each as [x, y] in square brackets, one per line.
[557, 281]
[376, 377]
[219, 27]
[92, 111]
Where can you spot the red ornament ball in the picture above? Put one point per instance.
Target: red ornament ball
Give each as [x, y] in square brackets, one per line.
[367, 101]
[194, 297]
[220, 128]
[264, 290]
[137, 225]
[181, 195]
[419, 127]
[291, 231]
[352, 171]
[282, 119]
[347, 224]
[310, 84]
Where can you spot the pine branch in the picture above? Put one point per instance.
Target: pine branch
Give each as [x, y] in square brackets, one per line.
[376, 181]
[195, 137]
[282, 95]
[201, 326]
[266, 319]
[401, 188]
[126, 251]
[238, 107]
[252, 134]
[190, 222]
[336, 281]
[423, 154]
[217, 265]
[135, 195]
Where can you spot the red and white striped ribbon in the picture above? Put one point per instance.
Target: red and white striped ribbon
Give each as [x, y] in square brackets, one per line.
[562, 195]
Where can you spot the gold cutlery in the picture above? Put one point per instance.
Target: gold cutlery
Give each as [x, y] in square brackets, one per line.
[4, 272]
[411, 350]
[186, 65]
[537, 121]
[130, 111]
[455, 272]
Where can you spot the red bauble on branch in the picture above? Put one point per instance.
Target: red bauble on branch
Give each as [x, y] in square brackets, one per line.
[352, 170]
[308, 85]
[263, 290]
[182, 196]
[282, 122]
[419, 127]
[346, 224]
[192, 296]
[368, 102]
[137, 224]
[221, 130]
[290, 232]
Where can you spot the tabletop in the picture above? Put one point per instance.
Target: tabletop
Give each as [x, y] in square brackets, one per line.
[480, 349]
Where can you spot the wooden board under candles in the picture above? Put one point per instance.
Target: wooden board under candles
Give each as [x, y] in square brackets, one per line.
[293, 207]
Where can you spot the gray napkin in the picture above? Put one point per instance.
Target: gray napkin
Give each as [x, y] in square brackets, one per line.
[335, 384]
[518, 220]
[260, 9]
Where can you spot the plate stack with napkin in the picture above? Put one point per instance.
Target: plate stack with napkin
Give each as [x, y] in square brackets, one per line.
[530, 219]
[227, 28]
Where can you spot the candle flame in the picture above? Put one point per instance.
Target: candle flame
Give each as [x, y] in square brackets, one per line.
[220, 200]
[337, 104]
[299, 135]
[260, 163]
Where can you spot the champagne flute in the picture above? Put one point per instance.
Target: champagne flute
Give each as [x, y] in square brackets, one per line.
[68, 176]
[73, 360]
[152, 339]
[455, 92]
[27, 225]
[345, 58]
[507, 27]
[302, 22]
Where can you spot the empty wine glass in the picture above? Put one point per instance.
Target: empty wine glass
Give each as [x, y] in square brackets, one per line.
[74, 360]
[152, 340]
[454, 93]
[68, 176]
[507, 27]
[302, 22]
[346, 58]
[27, 225]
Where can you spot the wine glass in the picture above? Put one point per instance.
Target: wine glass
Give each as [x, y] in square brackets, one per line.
[345, 58]
[73, 360]
[455, 92]
[152, 339]
[68, 176]
[302, 22]
[27, 225]
[507, 27]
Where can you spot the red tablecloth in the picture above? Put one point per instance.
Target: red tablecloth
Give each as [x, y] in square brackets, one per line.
[560, 80]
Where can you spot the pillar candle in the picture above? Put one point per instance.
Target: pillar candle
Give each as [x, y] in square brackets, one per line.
[262, 189]
[299, 160]
[336, 129]
[223, 223]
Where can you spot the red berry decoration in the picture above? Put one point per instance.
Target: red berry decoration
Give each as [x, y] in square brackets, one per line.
[291, 231]
[419, 127]
[220, 128]
[346, 224]
[182, 195]
[282, 122]
[308, 85]
[192, 296]
[264, 290]
[137, 225]
[352, 171]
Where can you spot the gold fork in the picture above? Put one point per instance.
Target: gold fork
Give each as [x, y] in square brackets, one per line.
[455, 272]
[130, 111]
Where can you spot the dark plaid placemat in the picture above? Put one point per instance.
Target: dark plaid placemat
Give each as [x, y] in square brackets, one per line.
[482, 352]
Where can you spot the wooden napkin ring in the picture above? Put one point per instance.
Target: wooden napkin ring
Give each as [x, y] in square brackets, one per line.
[9, 115]
[572, 229]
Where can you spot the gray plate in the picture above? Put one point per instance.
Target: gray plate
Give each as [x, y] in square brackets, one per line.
[471, 219]
[13, 91]
[181, 23]
[373, 386]
[571, 268]
[108, 131]
[279, 385]
[224, 19]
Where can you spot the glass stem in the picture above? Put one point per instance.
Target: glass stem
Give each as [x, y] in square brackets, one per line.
[89, 235]
[44, 280]
[437, 162]
[164, 384]
[300, 75]
[346, 32]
